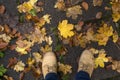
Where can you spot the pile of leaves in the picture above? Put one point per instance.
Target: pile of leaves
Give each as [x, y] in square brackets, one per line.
[81, 34]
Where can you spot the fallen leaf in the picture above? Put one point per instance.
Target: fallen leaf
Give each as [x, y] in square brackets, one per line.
[19, 66]
[2, 9]
[40, 3]
[36, 72]
[7, 29]
[64, 68]
[45, 49]
[3, 45]
[37, 56]
[98, 15]
[8, 78]
[99, 61]
[74, 11]
[1, 28]
[97, 2]
[60, 5]
[115, 37]
[116, 66]
[78, 27]
[85, 5]
[66, 29]
[12, 62]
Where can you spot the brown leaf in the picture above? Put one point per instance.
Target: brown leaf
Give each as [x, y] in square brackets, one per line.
[85, 5]
[36, 72]
[40, 3]
[3, 45]
[21, 76]
[7, 77]
[7, 29]
[1, 28]
[99, 15]
[74, 11]
[13, 31]
[97, 2]
[2, 9]
[79, 26]
[12, 61]
[12, 47]
[116, 66]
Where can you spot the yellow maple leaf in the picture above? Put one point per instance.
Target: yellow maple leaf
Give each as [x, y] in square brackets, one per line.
[103, 34]
[99, 61]
[26, 6]
[116, 17]
[66, 29]
[37, 56]
[64, 68]
[106, 30]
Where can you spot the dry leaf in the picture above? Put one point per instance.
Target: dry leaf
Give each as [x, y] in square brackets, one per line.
[74, 11]
[12, 61]
[98, 15]
[45, 49]
[64, 68]
[5, 37]
[47, 18]
[1, 28]
[8, 78]
[36, 72]
[2, 9]
[60, 5]
[21, 76]
[115, 37]
[97, 2]
[30, 62]
[116, 66]
[3, 45]
[19, 66]
[37, 57]
[85, 5]
[49, 40]
[78, 27]
[23, 46]
[7, 29]
[37, 36]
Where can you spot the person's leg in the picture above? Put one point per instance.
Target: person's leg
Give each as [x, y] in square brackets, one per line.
[82, 75]
[49, 66]
[85, 66]
[51, 76]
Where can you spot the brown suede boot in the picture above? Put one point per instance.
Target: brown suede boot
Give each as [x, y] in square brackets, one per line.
[86, 62]
[49, 64]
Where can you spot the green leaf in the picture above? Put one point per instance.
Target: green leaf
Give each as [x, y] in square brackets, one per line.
[2, 70]
[33, 12]
[58, 47]
[1, 55]
[61, 59]
[21, 18]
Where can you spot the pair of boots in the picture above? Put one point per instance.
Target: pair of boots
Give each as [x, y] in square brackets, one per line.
[86, 63]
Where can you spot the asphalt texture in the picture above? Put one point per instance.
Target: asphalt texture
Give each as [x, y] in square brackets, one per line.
[11, 18]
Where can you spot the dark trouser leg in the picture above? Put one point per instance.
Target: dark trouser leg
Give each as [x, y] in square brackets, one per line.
[81, 75]
[51, 76]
